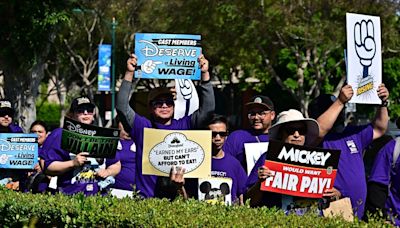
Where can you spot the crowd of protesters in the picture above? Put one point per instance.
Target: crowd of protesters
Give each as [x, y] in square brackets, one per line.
[325, 128]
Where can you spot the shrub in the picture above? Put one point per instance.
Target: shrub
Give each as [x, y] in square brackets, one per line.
[25, 209]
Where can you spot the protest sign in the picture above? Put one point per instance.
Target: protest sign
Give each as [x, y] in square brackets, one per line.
[364, 58]
[253, 152]
[189, 149]
[215, 190]
[97, 141]
[187, 100]
[18, 151]
[167, 56]
[300, 170]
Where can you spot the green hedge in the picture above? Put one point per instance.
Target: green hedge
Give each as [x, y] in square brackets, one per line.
[25, 209]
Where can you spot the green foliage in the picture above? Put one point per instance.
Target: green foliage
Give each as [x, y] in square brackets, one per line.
[25, 209]
[49, 113]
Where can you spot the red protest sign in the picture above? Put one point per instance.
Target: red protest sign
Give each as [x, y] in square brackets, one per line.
[300, 170]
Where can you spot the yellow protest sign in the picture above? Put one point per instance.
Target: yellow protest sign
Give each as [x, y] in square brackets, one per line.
[190, 149]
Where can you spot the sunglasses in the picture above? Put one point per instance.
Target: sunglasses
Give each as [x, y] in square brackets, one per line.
[4, 113]
[262, 114]
[292, 130]
[159, 103]
[82, 110]
[220, 133]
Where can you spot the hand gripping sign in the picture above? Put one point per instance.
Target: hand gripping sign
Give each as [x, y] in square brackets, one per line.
[189, 149]
[300, 170]
[168, 56]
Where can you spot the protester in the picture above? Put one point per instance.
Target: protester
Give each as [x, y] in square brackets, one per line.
[10, 177]
[161, 106]
[223, 165]
[291, 127]
[37, 181]
[75, 170]
[126, 155]
[260, 113]
[383, 196]
[352, 140]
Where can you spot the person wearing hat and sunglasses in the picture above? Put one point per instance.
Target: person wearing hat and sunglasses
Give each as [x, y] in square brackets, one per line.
[161, 109]
[12, 177]
[65, 165]
[260, 113]
[291, 127]
[351, 140]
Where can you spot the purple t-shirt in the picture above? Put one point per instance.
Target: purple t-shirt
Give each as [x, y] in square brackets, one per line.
[127, 156]
[234, 144]
[383, 173]
[229, 167]
[84, 181]
[146, 183]
[350, 178]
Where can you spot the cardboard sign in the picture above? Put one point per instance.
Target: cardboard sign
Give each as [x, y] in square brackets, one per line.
[300, 170]
[253, 153]
[215, 190]
[97, 141]
[163, 149]
[364, 58]
[168, 56]
[18, 151]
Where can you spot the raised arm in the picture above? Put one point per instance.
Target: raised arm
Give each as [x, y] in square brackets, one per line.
[328, 118]
[207, 100]
[381, 120]
[125, 91]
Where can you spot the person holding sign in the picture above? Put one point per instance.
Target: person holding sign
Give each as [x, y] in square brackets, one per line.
[228, 178]
[10, 177]
[74, 170]
[291, 127]
[260, 112]
[351, 140]
[161, 108]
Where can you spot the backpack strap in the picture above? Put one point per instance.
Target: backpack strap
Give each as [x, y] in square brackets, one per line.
[396, 152]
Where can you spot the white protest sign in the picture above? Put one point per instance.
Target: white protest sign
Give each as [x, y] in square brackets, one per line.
[187, 100]
[364, 58]
[253, 153]
[216, 190]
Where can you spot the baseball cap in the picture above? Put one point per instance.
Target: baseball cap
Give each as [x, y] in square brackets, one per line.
[260, 101]
[81, 101]
[6, 108]
[320, 104]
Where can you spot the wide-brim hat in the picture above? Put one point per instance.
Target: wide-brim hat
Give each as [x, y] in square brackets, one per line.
[156, 92]
[82, 101]
[260, 101]
[292, 116]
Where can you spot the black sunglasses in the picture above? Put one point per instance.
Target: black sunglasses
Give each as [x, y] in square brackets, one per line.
[4, 113]
[160, 102]
[83, 109]
[292, 130]
[220, 133]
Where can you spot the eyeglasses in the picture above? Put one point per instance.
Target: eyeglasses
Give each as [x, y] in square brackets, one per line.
[89, 111]
[262, 114]
[4, 113]
[161, 102]
[292, 130]
[220, 133]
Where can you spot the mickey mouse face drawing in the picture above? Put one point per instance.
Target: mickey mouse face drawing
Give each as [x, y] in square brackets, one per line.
[214, 195]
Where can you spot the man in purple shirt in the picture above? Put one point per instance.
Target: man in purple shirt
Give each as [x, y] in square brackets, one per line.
[260, 112]
[352, 140]
[223, 165]
[384, 183]
[161, 108]
[14, 177]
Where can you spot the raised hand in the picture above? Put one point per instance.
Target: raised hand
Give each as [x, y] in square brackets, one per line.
[365, 43]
